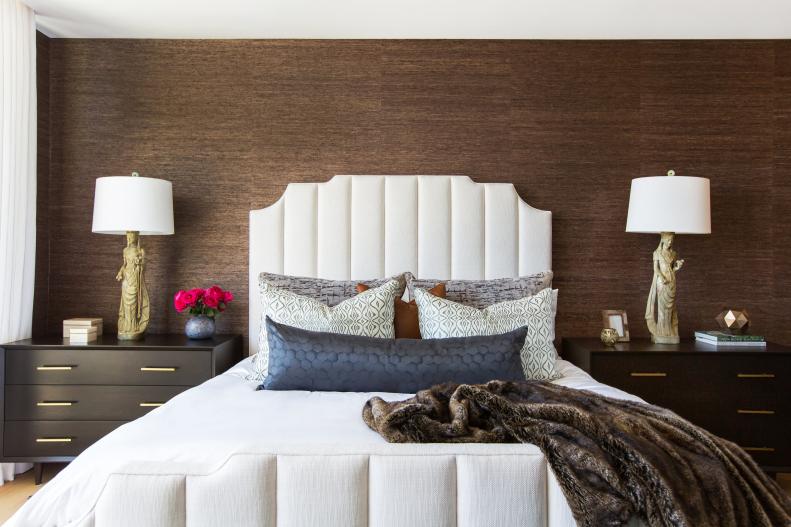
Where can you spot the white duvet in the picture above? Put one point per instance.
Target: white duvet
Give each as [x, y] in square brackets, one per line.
[203, 426]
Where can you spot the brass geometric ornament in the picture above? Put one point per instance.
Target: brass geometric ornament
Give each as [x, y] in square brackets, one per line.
[734, 320]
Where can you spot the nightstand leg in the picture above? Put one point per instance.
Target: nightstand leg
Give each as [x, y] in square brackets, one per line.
[38, 472]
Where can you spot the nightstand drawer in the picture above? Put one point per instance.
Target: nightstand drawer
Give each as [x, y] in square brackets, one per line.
[639, 367]
[98, 366]
[748, 428]
[769, 456]
[754, 381]
[750, 365]
[53, 438]
[656, 379]
[83, 402]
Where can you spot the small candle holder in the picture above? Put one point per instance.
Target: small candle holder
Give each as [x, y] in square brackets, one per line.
[609, 336]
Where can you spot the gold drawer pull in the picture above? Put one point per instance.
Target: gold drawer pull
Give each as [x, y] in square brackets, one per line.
[757, 449]
[53, 440]
[55, 403]
[755, 375]
[648, 374]
[158, 368]
[150, 404]
[761, 412]
[54, 368]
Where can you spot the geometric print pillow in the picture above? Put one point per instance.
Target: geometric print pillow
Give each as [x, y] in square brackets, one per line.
[368, 314]
[442, 318]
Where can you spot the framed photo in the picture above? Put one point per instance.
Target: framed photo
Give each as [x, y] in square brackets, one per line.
[616, 319]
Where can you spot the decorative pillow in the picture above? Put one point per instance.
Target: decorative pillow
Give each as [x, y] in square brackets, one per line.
[369, 314]
[309, 360]
[329, 292]
[406, 322]
[483, 293]
[443, 318]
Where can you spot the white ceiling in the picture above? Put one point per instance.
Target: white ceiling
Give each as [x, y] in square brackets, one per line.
[533, 19]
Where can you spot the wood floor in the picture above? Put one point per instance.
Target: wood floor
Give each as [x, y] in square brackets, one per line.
[14, 493]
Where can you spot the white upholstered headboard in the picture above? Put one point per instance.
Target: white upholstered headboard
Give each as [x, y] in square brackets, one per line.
[360, 227]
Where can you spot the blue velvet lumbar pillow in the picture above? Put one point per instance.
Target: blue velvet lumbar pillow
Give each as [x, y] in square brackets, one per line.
[311, 360]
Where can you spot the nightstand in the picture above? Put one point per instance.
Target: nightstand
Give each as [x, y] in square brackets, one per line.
[740, 393]
[60, 398]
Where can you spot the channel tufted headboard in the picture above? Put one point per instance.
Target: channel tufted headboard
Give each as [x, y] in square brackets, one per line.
[360, 227]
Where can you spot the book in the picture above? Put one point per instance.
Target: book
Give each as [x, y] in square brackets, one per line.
[69, 324]
[82, 335]
[731, 344]
[67, 330]
[76, 323]
[83, 331]
[82, 339]
[83, 322]
[722, 339]
[721, 336]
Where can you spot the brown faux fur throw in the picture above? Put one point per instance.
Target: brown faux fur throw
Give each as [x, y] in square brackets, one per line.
[612, 458]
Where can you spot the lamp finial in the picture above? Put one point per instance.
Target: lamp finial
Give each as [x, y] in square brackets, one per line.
[671, 172]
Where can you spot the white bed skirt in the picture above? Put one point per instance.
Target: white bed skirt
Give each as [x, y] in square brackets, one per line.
[395, 485]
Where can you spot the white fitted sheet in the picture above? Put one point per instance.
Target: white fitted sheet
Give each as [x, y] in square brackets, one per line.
[202, 427]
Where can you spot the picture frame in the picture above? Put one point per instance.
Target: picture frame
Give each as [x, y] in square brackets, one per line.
[617, 320]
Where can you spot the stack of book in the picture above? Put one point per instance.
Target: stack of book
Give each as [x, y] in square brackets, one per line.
[720, 338]
[82, 330]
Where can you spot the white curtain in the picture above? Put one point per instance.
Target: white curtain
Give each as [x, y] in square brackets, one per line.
[17, 178]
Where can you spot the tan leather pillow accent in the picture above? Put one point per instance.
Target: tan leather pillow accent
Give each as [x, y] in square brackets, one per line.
[406, 321]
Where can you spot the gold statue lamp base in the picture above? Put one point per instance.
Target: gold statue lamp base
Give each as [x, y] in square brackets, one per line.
[133, 314]
[661, 313]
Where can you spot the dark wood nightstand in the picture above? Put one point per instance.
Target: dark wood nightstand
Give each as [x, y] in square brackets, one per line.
[59, 398]
[740, 393]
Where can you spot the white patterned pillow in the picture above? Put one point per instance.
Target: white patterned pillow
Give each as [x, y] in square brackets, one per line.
[368, 314]
[442, 318]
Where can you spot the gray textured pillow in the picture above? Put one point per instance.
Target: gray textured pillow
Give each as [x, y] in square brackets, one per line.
[483, 293]
[329, 292]
[311, 360]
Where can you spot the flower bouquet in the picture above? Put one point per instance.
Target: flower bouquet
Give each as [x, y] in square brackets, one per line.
[203, 305]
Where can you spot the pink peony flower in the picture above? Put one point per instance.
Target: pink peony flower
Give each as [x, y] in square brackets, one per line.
[213, 296]
[180, 301]
[190, 298]
[228, 297]
[198, 292]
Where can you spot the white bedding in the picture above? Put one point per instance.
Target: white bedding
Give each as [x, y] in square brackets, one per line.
[203, 426]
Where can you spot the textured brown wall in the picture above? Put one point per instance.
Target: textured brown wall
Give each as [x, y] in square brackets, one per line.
[41, 292]
[569, 123]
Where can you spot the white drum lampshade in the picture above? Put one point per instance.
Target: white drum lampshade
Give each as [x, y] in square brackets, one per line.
[132, 203]
[677, 204]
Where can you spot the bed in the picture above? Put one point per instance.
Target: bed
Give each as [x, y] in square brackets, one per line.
[225, 454]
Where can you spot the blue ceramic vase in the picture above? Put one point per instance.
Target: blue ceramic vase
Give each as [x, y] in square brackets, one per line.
[199, 327]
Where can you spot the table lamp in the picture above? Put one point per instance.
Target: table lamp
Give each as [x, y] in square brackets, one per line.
[133, 206]
[667, 205]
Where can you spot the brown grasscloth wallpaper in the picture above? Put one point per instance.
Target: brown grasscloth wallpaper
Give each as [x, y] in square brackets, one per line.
[570, 123]
[41, 292]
